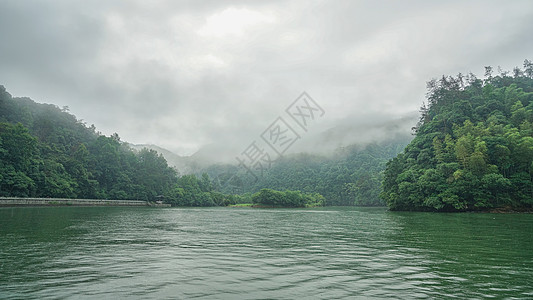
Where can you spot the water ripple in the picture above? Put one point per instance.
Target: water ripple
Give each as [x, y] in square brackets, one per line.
[330, 253]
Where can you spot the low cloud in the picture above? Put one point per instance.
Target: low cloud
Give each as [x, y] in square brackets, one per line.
[187, 74]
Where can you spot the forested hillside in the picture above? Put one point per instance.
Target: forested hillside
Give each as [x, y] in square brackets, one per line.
[351, 176]
[473, 149]
[47, 152]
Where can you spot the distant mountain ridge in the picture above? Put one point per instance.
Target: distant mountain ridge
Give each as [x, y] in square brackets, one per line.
[181, 163]
[348, 134]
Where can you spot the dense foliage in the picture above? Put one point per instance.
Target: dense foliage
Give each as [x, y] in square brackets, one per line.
[473, 149]
[268, 197]
[352, 176]
[190, 190]
[47, 152]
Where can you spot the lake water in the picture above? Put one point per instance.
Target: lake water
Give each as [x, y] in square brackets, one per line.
[240, 253]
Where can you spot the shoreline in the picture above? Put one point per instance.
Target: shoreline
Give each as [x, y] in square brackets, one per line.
[26, 202]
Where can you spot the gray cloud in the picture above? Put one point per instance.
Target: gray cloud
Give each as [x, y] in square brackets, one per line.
[185, 74]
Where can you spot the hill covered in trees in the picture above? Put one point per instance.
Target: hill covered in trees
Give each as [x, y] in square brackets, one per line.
[351, 176]
[46, 152]
[473, 148]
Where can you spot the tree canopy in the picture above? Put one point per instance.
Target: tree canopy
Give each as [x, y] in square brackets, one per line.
[351, 176]
[46, 152]
[269, 197]
[473, 148]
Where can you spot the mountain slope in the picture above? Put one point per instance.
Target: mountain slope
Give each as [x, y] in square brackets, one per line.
[473, 149]
[352, 176]
[47, 152]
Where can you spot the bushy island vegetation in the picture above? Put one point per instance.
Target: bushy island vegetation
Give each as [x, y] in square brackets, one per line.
[272, 198]
[473, 148]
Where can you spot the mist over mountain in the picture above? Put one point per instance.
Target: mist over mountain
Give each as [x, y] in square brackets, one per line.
[354, 133]
[359, 131]
[181, 163]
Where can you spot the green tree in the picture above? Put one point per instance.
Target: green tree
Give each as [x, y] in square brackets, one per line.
[483, 162]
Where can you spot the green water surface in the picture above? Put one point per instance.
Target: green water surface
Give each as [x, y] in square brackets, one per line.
[242, 253]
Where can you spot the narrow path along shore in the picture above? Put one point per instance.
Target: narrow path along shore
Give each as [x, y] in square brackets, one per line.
[74, 202]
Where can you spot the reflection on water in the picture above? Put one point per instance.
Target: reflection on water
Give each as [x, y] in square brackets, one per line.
[231, 253]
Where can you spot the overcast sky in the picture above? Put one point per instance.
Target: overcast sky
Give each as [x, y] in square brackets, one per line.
[185, 74]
